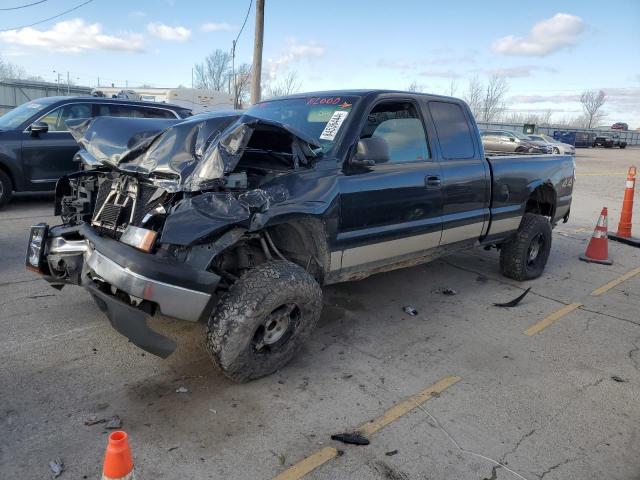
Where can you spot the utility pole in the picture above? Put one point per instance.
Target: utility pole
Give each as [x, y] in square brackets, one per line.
[256, 71]
[68, 83]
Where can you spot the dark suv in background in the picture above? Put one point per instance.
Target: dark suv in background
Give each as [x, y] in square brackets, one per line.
[36, 147]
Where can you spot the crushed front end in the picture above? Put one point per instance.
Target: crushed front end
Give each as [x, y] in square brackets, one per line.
[145, 222]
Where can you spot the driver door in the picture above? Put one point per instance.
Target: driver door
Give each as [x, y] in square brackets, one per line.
[48, 156]
[391, 210]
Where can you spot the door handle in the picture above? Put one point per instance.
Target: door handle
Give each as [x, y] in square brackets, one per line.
[433, 181]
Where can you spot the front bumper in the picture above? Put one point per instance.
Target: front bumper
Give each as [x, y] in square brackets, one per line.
[122, 279]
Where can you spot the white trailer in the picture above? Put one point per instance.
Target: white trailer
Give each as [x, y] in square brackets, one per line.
[197, 100]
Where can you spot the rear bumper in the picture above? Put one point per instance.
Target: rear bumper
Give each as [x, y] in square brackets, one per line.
[120, 278]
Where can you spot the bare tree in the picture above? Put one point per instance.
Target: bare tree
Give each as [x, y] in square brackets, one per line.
[592, 101]
[493, 102]
[473, 96]
[545, 117]
[413, 87]
[453, 87]
[213, 73]
[288, 85]
[242, 85]
[10, 70]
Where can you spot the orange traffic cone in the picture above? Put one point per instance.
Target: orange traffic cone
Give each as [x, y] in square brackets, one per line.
[118, 464]
[598, 248]
[624, 227]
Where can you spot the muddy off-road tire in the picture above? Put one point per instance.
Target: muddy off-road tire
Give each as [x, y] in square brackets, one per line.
[6, 188]
[525, 255]
[261, 323]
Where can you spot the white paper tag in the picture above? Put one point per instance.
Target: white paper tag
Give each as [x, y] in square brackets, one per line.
[630, 183]
[333, 125]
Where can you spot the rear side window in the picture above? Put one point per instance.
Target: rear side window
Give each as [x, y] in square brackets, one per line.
[454, 134]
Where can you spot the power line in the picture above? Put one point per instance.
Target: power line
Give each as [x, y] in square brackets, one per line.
[47, 19]
[245, 20]
[23, 6]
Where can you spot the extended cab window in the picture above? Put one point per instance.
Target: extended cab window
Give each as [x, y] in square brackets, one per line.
[399, 124]
[57, 118]
[454, 134]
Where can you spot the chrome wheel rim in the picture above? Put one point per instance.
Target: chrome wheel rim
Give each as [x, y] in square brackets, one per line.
[277, 327]
[534, 249]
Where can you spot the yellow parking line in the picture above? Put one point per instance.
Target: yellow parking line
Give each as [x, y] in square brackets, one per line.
[614, 283]
[309, 464]
[406, 406]
[549, 319]
[325, 454]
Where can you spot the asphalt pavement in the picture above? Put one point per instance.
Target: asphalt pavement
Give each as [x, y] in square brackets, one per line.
[457, 391]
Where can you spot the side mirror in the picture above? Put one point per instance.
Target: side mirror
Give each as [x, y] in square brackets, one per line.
[512, 139]
[38, 127]
[371, 151]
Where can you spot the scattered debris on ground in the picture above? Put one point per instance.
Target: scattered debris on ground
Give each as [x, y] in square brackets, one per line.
[446, 291]
[57, 467]
[114, 423]
[94, 420]
[410, 310]
[213, 411]
[281, 458]
[515, 301]
[618, 379]
[391, 453]
[182, 390]
[390, 473]
[351, 438]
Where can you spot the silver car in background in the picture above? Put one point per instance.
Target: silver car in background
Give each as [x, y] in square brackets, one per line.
[505, 141]
[555, 145]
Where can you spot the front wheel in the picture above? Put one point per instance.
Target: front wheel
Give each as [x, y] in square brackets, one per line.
[525, 255]
[264, 319]
[556, 150]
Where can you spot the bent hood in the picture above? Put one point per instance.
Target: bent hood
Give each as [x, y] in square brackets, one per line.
[176, 155]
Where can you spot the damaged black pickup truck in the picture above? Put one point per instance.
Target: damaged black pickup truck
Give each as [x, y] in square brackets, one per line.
[237, 219]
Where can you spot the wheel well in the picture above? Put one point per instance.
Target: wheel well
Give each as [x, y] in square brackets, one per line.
[303, 241]
[6, 170]
[542, 201]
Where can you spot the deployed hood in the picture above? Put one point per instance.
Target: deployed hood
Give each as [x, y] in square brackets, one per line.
[177, 155]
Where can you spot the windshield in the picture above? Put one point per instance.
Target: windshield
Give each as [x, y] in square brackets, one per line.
[521, 136]
[14, 118]
[320, 117]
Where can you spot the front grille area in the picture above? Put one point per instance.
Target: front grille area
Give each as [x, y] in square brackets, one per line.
[122, 201]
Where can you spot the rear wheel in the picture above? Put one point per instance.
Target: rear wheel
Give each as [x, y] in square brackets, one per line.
[6, 188]
[525, 255]
[521, 149]
[263, 321]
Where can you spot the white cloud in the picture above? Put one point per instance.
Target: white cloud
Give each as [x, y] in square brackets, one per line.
[556, 98]
[521, 71]
[294, 52]
[73, 36]
[217, 27]
[440, 73]
[546, 37]
[166, 32]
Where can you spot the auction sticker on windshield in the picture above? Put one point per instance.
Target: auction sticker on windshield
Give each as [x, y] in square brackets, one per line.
[333, 125]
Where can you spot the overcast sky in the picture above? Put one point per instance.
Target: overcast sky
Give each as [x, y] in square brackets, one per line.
[550, 51]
